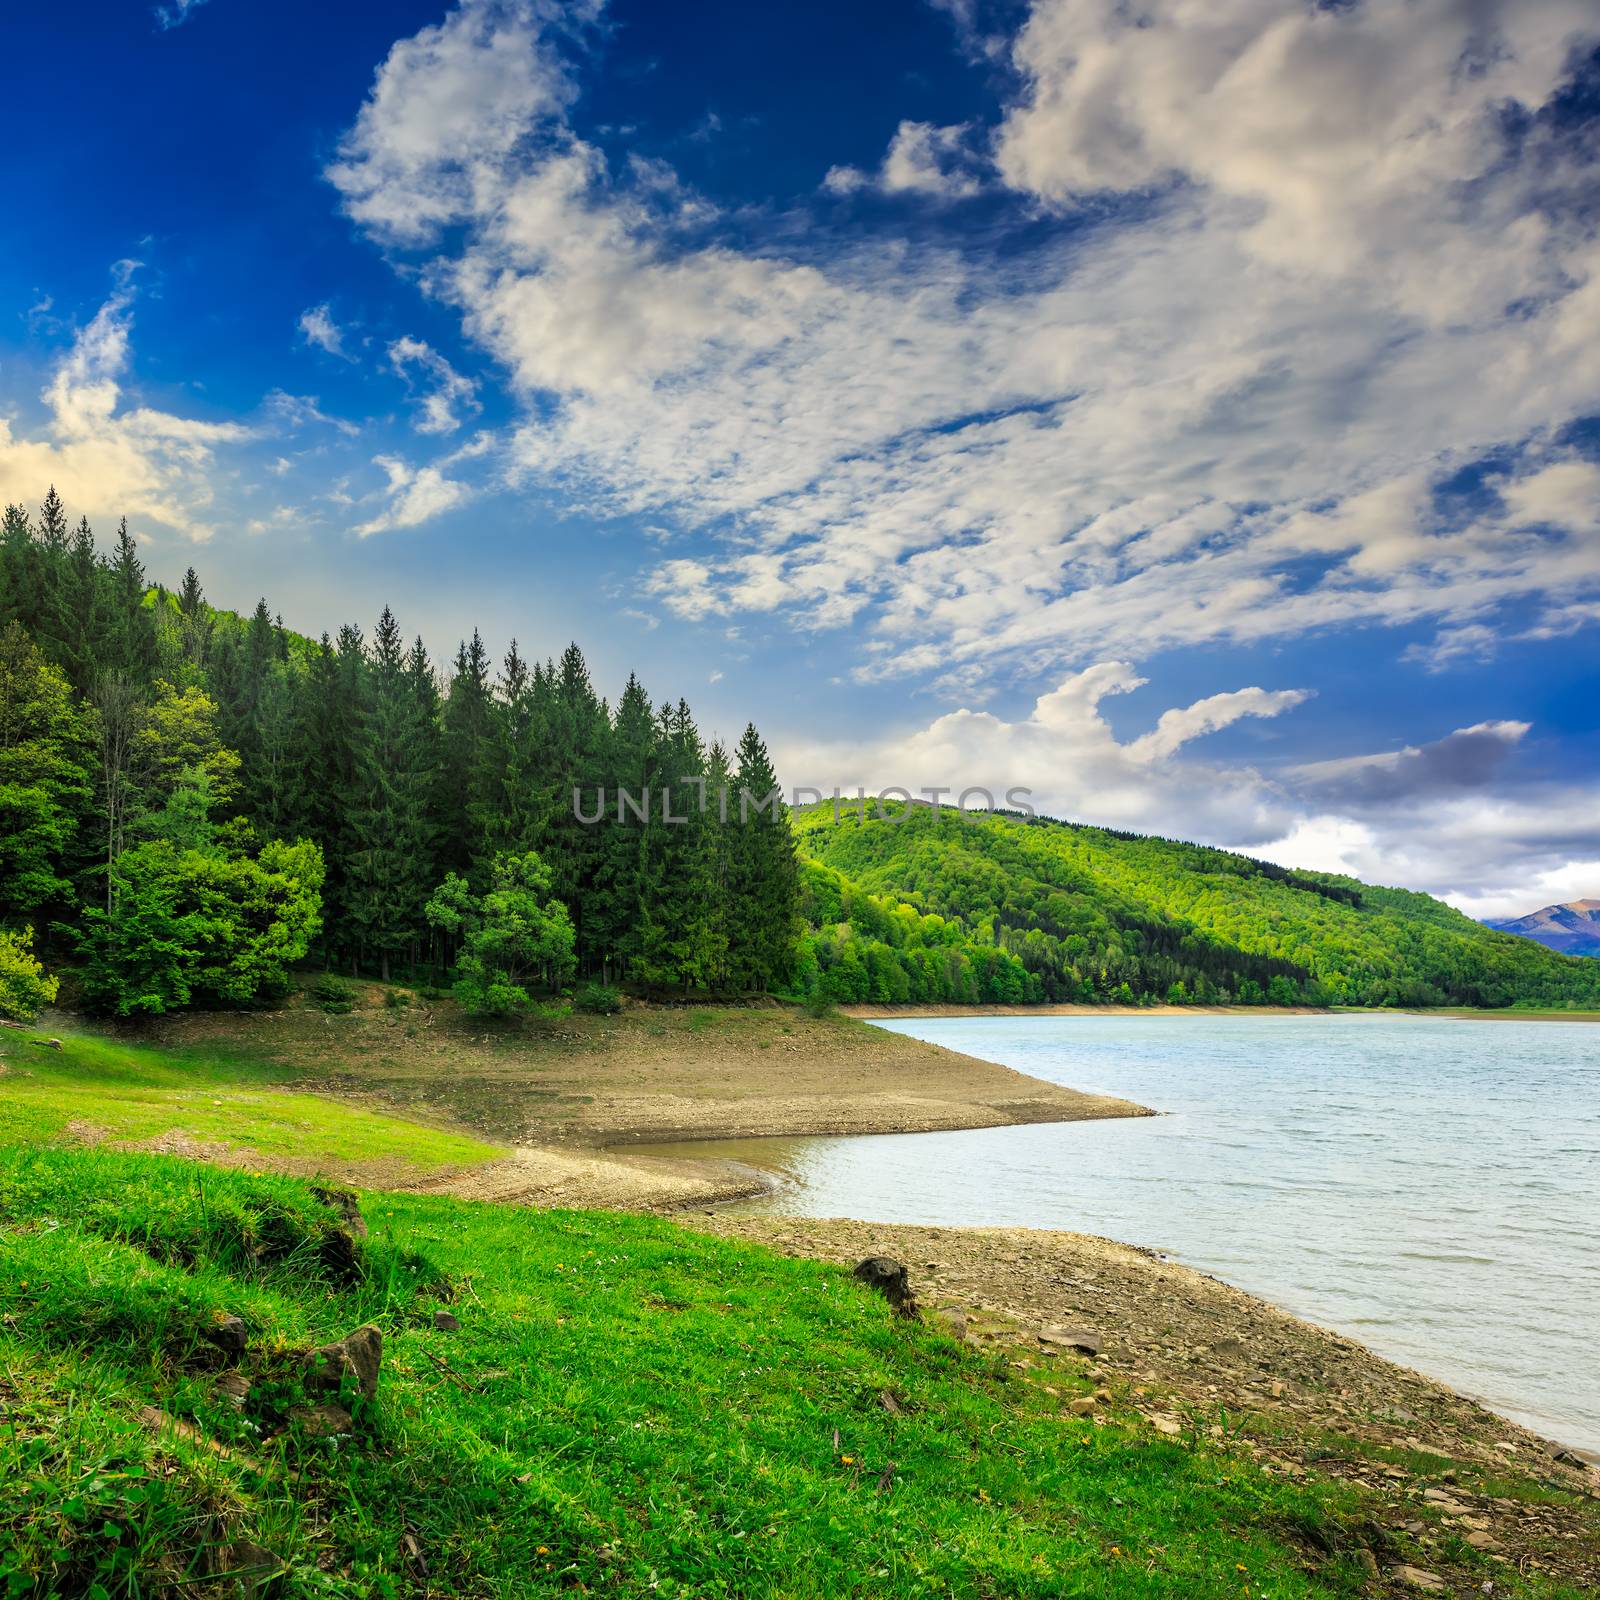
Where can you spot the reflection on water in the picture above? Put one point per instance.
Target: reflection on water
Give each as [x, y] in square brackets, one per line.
[1431, 1185]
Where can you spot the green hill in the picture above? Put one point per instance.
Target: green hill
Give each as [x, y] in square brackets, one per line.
[924, 905]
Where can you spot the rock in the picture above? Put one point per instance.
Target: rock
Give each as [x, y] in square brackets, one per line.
[1083, 1406]
[1084, 1340]
[1479, 1539]
[1568, 1459]
[322, 1422]
[955, 1321]
[251, 1569]
[355, 1357]
[234, 1387]
[228, 1333]
[446, 1322]
[1368, 1563]
[1416, 1578]
[890, 1279]
[345, 1203]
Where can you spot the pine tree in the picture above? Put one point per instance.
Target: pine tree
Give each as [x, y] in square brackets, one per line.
[763, 876]
[391, 845]
[133, 649]
[196, 624]
[468, 731]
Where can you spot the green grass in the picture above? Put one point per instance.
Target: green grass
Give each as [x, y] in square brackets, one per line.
[629, 1408]
[98, 1089]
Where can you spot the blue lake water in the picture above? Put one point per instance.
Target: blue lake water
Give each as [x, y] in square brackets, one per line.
[1429, 1185]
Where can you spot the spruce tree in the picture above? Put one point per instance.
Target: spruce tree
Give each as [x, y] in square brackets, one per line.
[390, 860]
[133, 648]
[468, 731]
[763, 875]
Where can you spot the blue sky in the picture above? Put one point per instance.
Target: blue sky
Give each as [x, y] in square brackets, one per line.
[1193, 422]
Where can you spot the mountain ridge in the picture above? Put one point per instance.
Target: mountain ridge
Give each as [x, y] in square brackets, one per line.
[1571, 927]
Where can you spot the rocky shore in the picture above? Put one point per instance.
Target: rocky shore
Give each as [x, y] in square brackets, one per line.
[1451, 1483]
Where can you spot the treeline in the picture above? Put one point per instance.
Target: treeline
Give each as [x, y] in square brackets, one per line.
[192, 801]
[927, 906]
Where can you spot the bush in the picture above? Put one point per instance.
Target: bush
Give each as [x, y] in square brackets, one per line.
[334, 995]
[598, 999]
[24, 989]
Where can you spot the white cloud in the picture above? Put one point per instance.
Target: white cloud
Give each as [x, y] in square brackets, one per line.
[449, 106]
[1067, 756]
[449, 398]
[1434, 817]
[1565, 494]
[413, 495]
[108, 459]
[176, 14]
[318, 328]
[1219, 415]
[922, 159]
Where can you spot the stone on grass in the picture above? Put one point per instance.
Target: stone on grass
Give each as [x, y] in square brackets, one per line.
[891, 1280]
[322, 1422]
[228, 1333]
[355, 1357]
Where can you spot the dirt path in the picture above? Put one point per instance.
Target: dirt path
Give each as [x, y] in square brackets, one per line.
[1461, 1493]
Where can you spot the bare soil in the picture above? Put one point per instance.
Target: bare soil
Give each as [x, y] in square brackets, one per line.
[571, 1094]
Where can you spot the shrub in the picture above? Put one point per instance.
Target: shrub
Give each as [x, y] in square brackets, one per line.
[24, 989]
[334, 995]
[598, 999]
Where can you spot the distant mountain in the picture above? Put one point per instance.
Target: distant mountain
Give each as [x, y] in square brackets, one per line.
[1573, 929]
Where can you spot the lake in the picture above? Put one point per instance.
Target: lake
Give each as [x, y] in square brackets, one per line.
[1429, 1185]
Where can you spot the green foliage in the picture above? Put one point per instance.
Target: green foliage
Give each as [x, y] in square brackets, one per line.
[561, 1442]
[44, 776]
[598, 999]
[515, 934]
[25, 990]
[334, 995]
[926, 905]
[358, 746]
[194, 920]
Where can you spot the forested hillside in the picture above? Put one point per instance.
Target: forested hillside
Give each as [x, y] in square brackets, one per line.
[191, 802]
[924, 905]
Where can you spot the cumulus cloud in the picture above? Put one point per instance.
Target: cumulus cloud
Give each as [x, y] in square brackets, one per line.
[1278, 275]
[107, 458]
[1065, 753]
[1438, 817]
[1221, 410]
[447, 398]
[318, 329]
[922, 159]
[413, 495]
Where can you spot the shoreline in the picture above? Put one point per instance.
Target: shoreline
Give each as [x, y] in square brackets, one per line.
[871, 1011]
